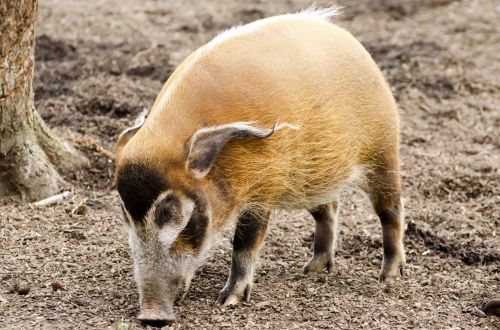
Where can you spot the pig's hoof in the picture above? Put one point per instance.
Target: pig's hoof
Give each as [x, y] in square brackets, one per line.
[391, 271]
[318, 264]
[231, 296]
[230, 300]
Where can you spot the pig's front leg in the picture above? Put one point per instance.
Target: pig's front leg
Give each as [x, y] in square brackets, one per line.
[248, 239]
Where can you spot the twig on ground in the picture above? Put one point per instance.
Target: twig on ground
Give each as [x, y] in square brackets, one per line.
[52, 199]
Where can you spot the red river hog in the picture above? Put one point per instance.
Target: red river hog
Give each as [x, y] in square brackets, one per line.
[281, 113]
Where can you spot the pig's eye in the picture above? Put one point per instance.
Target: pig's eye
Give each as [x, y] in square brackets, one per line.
[167, 211]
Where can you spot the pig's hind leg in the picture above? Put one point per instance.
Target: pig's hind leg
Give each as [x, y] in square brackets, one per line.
[384, 191]
[248, 238]
[325, 238]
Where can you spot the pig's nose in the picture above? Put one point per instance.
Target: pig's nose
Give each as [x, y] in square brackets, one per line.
[151, 314]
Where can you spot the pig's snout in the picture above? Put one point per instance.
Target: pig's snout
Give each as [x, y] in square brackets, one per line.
[152, 314]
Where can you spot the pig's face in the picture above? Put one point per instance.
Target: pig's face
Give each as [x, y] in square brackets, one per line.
[168, 217]
[167, 229]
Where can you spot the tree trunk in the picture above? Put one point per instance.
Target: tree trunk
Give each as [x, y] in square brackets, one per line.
[28, 149]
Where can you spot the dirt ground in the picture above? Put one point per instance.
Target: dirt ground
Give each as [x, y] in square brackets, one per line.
[98, 63]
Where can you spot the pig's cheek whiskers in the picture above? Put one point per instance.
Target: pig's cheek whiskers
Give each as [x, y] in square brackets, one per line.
[187, 283]
[180, 297]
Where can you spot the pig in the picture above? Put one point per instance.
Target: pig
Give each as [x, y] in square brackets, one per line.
[281, 113]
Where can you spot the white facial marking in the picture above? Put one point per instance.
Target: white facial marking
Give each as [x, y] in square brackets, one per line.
[153, 262]
[134, 245]
[169, 232]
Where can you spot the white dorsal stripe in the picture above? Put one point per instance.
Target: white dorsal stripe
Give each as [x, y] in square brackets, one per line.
[313, 13]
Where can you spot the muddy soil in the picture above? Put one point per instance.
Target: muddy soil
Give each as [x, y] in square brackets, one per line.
[98, 64]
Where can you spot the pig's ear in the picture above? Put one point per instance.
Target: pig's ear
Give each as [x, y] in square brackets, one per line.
[208, 142]
[127, 134]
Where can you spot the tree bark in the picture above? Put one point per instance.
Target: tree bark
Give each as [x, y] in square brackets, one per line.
[28, 149]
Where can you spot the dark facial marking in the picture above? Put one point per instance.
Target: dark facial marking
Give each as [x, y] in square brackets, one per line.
[169, 209]
[194, 232]
[139, 185]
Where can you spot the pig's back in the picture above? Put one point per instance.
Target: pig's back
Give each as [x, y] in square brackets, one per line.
[296, 69]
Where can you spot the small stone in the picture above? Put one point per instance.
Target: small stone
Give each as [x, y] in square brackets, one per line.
[56, 286]
[23, 290]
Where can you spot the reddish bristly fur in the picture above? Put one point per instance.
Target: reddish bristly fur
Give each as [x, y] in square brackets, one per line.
[209, 134]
